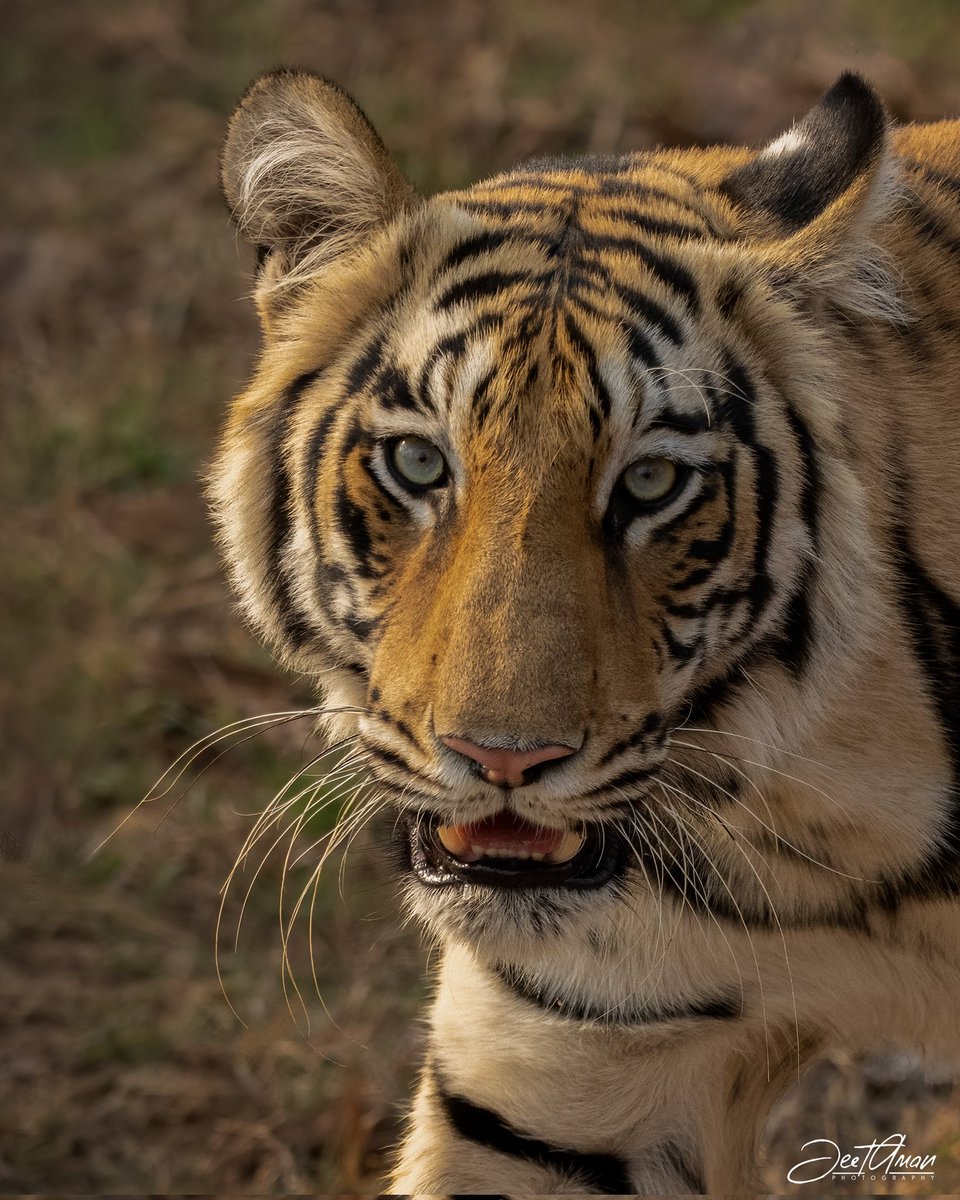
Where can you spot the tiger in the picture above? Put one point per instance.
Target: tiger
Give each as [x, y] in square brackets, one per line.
[612, 503]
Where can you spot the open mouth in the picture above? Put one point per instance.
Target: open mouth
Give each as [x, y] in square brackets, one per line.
[506, 851]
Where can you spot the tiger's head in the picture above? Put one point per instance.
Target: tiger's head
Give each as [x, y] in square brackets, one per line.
[543, 480]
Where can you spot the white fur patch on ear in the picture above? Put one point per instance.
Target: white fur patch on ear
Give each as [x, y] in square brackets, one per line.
[786, 143]
[840, 142]
[302, 169]
[812, 199]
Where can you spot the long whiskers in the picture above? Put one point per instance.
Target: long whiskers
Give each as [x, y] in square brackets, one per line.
[272, 815]
[745, 738]
[771, 828]
[771, 906]
[249, 726]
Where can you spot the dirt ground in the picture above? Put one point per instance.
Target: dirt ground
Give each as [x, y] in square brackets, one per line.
[126, 1064]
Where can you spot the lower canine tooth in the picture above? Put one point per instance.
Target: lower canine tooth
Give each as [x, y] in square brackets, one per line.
[451, 840]
[571, 844]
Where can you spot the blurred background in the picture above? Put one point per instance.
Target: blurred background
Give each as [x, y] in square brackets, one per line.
[125, 328]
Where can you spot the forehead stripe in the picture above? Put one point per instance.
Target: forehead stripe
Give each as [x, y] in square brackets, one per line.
[657, 226]
[473, 247]
[364, 367]
[670, 273]
[489, 283]
[393, 391]
[651, 312]
[482, 398]
[584, 348]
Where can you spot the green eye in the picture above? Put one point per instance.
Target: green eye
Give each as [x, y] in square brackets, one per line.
[416, 462]
[651, 480]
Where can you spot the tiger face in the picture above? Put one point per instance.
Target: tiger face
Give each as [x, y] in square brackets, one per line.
[532, 477]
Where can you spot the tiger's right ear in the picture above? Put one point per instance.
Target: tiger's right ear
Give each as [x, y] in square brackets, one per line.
[808, 203]
[305, 174]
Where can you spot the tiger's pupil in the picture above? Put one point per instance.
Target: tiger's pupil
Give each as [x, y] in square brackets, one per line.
[651, 479]
[418, 461]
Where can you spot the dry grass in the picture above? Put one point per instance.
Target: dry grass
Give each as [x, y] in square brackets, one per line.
[123, 328]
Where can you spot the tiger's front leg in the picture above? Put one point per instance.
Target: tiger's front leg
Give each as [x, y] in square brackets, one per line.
[515, 1102]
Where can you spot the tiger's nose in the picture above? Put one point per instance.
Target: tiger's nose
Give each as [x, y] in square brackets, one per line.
[505, 768]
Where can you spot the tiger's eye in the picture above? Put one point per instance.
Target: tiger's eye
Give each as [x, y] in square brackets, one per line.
[417, 462]
[650, 480]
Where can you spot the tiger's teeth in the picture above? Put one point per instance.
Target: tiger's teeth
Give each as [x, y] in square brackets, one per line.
[567, 849]
[456, 844]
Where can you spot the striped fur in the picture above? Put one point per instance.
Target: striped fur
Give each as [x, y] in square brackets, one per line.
[762, 675]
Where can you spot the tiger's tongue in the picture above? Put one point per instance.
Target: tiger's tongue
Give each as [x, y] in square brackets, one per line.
[507, 836]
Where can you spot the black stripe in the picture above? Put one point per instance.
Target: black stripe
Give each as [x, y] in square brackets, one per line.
[721, 1007]
[481, 243]
[583, 347]
[351, 518]
[360, 627]
[767, 490]
[652, 728]
[931, 228]
[667, 269]
[673, 419]
[311, 467]
[651, 312]
[711, 550]
[707, 551]
[601, 185]
[728, 297]
[950, 182]
[387, 756]
[710, 696]
[933, 621]
[483, 398]
[363, 368]
[393, 390]
[453, 347]
[647, 223]
[737, 401]
[522, 181]
[688, 612]
[694, 578]
[487, 283]
[296, 628]
[603, 1173]
[632, 190]
[639, 345]
[680, 652]
[326, 574]
[513, 211]
[737, 408]
[792, 644]
[811, 487]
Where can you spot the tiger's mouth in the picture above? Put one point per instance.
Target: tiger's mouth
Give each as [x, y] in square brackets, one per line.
[505, 851]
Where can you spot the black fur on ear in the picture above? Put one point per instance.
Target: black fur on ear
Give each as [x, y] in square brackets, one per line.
[805, 170]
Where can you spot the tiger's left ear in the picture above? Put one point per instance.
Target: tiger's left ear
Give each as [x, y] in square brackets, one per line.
[305, 175]
[808, 200]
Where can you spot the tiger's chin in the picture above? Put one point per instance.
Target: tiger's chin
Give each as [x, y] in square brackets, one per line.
[522, 884]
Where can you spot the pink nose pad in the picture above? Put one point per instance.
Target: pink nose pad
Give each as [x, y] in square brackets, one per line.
[505, 767]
